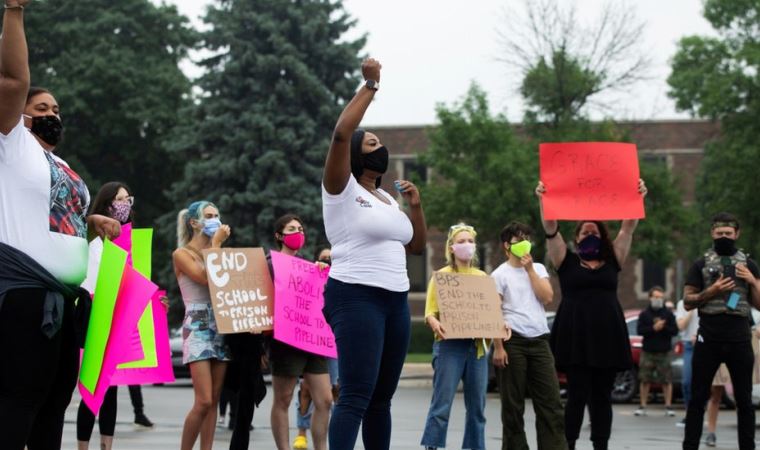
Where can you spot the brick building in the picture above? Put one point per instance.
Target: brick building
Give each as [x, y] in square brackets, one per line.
[678, 144]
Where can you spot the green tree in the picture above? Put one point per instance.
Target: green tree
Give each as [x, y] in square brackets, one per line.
[717, 78]
[271, 94]
[566, 66]
[113, 67]
[482, 173]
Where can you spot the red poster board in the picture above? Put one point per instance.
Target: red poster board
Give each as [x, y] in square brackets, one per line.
[590, 181]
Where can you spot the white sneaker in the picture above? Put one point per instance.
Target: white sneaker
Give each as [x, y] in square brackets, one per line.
[640, 412]
[669, 412]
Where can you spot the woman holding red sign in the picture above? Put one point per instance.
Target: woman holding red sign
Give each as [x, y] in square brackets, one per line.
[589, 336]
[203, 349]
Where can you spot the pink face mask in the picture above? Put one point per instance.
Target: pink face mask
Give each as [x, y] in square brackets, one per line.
[464, 251]
[294, 241]
[120, 211]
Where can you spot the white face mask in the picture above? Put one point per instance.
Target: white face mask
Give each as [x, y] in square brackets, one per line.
[464, 251]
[657, 303]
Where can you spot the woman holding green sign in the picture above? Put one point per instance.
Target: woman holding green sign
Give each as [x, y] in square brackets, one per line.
[456, 359]
[204, 351]
[114, 200]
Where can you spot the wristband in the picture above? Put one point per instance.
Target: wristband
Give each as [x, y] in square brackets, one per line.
[552, 235]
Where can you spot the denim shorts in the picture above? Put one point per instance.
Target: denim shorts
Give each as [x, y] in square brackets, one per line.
[200, 337]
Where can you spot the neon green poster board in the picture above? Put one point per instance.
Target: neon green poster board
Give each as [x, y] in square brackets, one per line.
[142, 248]
[110, 272]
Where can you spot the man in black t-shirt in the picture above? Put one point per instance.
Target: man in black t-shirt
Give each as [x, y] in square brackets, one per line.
[724, 285]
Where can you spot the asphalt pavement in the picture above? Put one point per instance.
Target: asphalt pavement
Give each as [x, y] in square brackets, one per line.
[167, 406]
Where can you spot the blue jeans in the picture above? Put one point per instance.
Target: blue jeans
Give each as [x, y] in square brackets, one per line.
[372, 330]
[304, 421]
[688, 353]
[455, 360]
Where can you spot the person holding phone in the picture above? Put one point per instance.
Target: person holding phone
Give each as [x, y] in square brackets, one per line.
[724, 284]
[366, 293]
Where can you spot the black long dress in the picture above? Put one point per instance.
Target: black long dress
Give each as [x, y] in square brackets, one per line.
[589, 329]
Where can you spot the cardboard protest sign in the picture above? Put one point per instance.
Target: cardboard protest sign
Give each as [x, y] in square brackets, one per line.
[590, 181]
[298, 302]
[469, 306]
[241, 289]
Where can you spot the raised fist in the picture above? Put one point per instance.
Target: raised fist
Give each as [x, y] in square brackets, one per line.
[371, 69]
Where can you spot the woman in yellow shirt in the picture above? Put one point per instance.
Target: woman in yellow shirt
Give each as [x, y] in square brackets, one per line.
[456, 359]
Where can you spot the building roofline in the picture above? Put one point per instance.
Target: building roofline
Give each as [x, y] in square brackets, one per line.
[619, 122]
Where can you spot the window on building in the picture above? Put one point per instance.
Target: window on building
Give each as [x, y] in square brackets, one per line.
[414, 171]
[416, 267]
[416, 264]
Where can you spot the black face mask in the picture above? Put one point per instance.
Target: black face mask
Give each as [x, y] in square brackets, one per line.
[48, 128]
[724, 246]
[377, 161]
[590, 248]
[327, 261]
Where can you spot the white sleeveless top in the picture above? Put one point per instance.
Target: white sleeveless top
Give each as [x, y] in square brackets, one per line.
[193, 293]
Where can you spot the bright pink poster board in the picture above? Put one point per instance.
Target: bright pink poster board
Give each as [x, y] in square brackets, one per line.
[163, 373]
[298, 301]
[590, 181]
[135, 292]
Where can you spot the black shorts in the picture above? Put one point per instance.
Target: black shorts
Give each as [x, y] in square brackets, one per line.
[288, 361]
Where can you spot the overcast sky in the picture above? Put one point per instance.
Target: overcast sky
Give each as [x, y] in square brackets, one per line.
[432, 50]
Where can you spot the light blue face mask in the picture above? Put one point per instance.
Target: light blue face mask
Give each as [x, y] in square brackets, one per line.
[210, 226]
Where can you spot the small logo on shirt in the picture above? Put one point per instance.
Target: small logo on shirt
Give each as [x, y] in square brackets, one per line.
[363, 203]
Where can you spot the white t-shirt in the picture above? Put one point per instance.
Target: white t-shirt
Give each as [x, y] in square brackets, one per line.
[691, 329]
[522, 310]
[43, 206]
[93, 265]
[367, 238]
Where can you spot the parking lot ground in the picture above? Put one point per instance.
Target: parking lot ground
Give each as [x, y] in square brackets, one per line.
[167, 406]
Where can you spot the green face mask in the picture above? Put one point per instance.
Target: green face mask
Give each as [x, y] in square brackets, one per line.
[520, 249]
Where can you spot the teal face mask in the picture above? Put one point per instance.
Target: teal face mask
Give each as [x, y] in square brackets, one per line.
[520, 249]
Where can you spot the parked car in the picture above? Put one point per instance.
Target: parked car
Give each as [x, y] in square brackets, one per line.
[626, 385]
[627, 382]
[175, 343]
[492, 381]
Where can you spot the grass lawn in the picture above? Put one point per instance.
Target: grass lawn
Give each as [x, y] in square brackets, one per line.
[419, 357]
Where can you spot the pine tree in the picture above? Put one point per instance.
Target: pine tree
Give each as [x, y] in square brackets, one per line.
[273, 89]
[114, 69]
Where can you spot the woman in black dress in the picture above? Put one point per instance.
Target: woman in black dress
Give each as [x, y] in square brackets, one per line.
[589, 336]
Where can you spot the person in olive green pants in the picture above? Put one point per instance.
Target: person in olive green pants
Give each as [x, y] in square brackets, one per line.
[524, 364]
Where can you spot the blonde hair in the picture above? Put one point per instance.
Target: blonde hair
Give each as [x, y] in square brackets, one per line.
[453, 231]
[184, 229]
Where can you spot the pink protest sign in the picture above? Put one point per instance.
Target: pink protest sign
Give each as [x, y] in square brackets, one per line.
[163, 373]
[298, 301]
[590, 181]
[135, 292]
[124, 241]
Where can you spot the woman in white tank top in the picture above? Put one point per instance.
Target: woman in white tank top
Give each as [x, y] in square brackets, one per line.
[204, 350]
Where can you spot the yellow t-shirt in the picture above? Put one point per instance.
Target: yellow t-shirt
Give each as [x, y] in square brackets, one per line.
[431, 303]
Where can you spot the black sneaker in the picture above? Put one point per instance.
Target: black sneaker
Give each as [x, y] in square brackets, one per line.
[143, 421]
